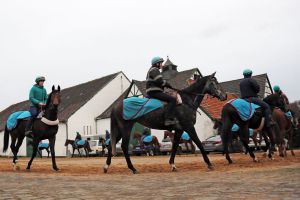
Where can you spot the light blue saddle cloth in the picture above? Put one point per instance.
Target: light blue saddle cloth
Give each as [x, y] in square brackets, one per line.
[80, 142]
[289, 115]
[107, 142]
[236, 128]
[185, 136]
[244, 108]
[43, 145]
[135, 107]
[148, 138]
[14, 117]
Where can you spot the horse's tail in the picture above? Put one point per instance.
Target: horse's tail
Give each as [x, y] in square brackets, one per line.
[6, 139]
[114, 131]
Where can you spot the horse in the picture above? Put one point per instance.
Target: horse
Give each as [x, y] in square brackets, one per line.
[44, 128]
[256, 133]
[284, 126]
[41, 148]
[230, 116]
[85, 146]
[152, 147]
[185, 112]
[186, 142]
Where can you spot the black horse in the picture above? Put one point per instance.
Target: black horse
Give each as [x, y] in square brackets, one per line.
[230, 116]
[185, 112]
[41, 148]
[45, 128]
[85, 146]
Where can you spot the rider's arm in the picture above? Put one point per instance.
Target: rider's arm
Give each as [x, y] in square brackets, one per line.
[31, 97]
[156, 76]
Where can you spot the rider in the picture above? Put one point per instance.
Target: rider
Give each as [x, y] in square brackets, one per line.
[249, 90]
[285, 107]
[38, 98]
[155, 89]
[77, 138]
[284, 98]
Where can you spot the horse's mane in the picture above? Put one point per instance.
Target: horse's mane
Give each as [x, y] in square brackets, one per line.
[48, 100]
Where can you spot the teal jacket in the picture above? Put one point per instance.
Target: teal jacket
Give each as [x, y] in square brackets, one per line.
[37, 95]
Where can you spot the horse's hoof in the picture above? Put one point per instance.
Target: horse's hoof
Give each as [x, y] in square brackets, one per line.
[255, 160]
[135, 172]
[105, 170]
[173, 168]
[56, 169]
[28, 169]
[211, 167]
[230, 162]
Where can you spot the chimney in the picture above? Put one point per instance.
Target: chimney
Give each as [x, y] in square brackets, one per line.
[169, 70]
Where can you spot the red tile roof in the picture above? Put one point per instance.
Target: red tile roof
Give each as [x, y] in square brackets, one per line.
[213, 106]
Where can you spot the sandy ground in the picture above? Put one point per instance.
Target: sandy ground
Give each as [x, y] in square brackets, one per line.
[83, 178]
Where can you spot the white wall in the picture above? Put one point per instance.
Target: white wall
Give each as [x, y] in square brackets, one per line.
[102, 125]
[61, 136]
[204, 126]
[86, 115]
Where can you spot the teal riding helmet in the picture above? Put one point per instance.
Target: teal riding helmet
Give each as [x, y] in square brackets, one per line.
[276, 88]
[40, 78]
[247, 72]
[156, 60]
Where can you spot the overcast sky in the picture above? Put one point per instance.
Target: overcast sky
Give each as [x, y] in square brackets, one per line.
[71, 42]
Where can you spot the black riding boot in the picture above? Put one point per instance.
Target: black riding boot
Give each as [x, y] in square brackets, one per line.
[28, 129]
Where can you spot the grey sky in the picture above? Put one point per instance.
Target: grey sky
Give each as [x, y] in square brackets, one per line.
[73, 41]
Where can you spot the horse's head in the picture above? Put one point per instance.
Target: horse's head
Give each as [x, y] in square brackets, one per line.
[54, 98]
[213, 88]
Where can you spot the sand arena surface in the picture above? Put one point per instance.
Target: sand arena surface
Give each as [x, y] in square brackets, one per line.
[83, 178]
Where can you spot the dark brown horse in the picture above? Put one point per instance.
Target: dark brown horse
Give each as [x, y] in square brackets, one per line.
[45, 128]
[185, 112]
[230, 117]
[283, 129]
[85, 146]
[185, 142]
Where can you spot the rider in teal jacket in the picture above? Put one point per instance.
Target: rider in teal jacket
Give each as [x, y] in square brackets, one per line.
[38, 98]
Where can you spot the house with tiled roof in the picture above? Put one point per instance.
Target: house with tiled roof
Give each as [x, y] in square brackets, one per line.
[179, 80]
[80, 106]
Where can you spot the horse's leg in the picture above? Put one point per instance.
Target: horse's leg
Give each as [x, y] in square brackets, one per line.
[175, 144]
[79, 152]
[193, 146]
[268, 150]
[124, 145]
[109, 154]
[73, 151]
[52, 149]
[48, 151]
[290, 141]
[190, 129]
[35, 149]
[13, 149]
[245, 140]
[226, 133]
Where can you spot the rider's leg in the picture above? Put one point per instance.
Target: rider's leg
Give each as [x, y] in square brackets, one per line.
[34, 112]
[170, 118]
[266, 109]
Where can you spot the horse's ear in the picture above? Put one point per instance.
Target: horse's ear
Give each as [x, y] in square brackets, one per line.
[213, 74]
[58, 88]
[53, 88]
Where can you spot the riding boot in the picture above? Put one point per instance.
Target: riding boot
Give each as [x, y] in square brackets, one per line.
[28, 129]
